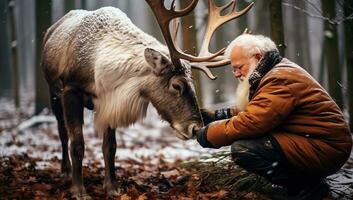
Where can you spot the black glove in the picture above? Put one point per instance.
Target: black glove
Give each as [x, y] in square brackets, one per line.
[209, 116]
[201, 136]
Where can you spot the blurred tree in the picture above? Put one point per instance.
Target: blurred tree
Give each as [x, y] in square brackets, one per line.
[5, 78]
[14, 54]
[262, 17]
[43, 21]
[190, 45]
[243, 20]
[300, 36]
[331, 52]
[219, 85]
[348, 33]
[69, 5]
[152, 23]
[277, 34]
[83, 4]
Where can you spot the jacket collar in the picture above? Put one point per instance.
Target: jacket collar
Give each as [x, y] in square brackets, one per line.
[269, 60]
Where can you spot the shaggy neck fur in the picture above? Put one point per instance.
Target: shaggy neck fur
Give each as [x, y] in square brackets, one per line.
[120, 107]
[120, 73]
[118, 89]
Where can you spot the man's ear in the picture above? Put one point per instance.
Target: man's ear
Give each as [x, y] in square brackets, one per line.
[258, 56]
[159, 63]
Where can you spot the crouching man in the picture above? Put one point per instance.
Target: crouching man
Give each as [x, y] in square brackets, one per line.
[285, 127]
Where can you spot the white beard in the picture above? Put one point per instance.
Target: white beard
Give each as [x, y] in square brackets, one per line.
[242, 93]
[243, 88]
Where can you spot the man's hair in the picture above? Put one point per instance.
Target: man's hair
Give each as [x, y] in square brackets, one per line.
[252, 44]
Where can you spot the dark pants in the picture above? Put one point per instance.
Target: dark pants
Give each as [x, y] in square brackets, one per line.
[265, 157]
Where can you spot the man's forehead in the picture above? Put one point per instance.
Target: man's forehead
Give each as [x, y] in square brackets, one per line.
[237, 52]
[237, 55]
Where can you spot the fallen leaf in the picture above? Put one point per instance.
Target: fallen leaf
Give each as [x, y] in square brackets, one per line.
[125, 197]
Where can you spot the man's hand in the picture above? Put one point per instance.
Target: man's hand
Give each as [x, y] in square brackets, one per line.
[208, 116]
[201, 136]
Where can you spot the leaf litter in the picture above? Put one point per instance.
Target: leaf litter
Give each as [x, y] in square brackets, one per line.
[151, 163]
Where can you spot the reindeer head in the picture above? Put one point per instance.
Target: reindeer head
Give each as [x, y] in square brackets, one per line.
[173, 94]
[174, 97]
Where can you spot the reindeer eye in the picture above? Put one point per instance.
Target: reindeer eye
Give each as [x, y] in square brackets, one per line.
[176, 86]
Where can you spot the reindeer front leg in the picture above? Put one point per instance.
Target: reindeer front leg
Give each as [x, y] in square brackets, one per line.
[109, 149]
[73, 113]
[58, 112]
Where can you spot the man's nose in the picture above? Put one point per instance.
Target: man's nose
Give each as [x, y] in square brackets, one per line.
[237, 73]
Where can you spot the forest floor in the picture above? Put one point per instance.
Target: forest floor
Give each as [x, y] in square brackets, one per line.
[151, 163]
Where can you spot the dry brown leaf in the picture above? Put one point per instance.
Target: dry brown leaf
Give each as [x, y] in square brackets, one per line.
[42, 187]
[171, 173]
[142, 197]
[219, 195]
[185, 198]
[125, 197]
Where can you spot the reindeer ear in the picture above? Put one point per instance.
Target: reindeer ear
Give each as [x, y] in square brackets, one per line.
[159, 63]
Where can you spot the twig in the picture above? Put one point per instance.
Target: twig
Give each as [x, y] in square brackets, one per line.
[320, 15]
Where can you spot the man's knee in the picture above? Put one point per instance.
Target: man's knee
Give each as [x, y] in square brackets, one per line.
[243, 152]
[250, 153]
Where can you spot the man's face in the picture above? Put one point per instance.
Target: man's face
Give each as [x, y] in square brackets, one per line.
[242, 63]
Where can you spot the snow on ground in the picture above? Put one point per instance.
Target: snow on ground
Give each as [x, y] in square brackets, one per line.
[145, 141]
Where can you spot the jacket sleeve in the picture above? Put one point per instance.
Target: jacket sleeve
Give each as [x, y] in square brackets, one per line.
[270, 106]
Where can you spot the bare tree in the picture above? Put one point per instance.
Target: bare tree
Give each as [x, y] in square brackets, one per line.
[348, 33]
[69, 5]
[190, 45]
[300, 36]
[83, 4]
[14, 55]
[43, 21]
[5, 79]
[331, 52]
[313, 10]
[243, 21]
[218, 85]
[263, 17]
[277, 24]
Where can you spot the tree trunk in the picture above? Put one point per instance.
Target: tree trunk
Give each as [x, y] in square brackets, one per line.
[219, 85]
[301, 37]
[243, 20]
[83, 4]
[69, 5]
[332, 52]
[14, 55]
[43, 21]
[190, 45]
[262, 16]
[348, 33]
[5, 78]
[277, 25]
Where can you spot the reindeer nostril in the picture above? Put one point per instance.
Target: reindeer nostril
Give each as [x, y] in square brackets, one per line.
[192, 129]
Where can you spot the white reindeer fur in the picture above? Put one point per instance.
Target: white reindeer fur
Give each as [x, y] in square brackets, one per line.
[115, 47]
[120, 72]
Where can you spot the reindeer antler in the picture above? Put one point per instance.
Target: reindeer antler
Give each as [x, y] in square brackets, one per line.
[215, 20]
[164, 17]
[205, 59]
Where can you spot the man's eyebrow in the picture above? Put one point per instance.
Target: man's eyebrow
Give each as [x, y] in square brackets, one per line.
[237, 65]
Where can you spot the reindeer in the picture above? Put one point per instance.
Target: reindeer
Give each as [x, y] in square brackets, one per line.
[100, 60]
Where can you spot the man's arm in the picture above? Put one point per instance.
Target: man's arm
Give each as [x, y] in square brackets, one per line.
[267, 110]
[209, 115]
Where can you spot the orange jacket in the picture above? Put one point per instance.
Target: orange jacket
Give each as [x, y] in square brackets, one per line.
[299, 113]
